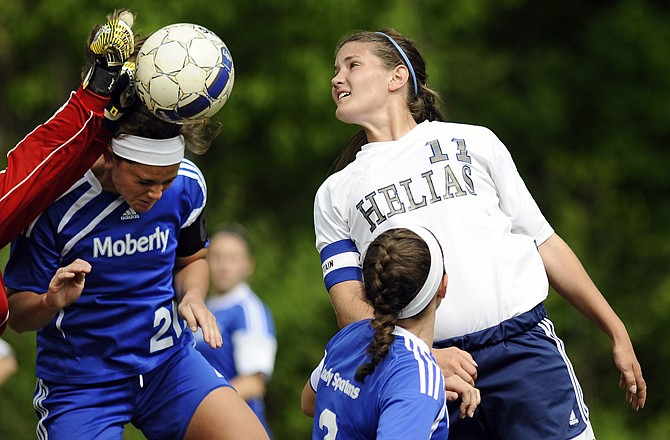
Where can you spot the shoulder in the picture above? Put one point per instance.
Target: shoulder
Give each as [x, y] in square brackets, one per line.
[189, 172]
[243, 306]
[189, 187]
[354, 334]
[455, 128]
[413, 368]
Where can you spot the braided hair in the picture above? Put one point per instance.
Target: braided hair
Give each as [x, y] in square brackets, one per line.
[423, 105]
[395, 268]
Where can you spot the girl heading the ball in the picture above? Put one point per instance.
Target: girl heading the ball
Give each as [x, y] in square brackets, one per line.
[125, 251]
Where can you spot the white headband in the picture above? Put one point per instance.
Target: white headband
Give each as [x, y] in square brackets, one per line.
[435, 273]
[158, 152]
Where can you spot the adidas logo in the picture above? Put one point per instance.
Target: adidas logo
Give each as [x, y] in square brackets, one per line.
[573, 419]
[130, 214]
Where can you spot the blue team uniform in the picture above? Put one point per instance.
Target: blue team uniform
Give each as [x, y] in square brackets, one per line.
[125, 324]
[403, 398]
[249, 339]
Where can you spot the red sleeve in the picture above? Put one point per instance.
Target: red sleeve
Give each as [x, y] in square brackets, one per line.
[48, 161]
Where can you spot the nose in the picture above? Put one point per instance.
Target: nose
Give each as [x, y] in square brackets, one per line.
[337, 79]
[155, 192]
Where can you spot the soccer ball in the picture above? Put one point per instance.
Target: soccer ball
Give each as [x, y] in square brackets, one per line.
[184, 73]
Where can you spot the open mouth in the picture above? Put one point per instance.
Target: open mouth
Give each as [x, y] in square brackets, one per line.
[342, 95]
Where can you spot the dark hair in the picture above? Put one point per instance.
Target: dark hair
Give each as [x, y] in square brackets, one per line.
[423, 105]
[139, 121]
[235, 230]
[395, 268]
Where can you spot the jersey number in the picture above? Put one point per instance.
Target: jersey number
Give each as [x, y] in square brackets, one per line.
[163, 319]
[328, 420]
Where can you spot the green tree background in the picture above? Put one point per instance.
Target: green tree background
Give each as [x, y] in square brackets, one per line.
[579, 92]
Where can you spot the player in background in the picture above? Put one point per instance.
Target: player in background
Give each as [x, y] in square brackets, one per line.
[8, 364]
[247, 356]
[57, 153]
[460, 181]
[378, 378]
[125, 250]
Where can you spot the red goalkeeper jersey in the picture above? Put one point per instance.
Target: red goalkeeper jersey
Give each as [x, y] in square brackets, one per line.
[45, 164]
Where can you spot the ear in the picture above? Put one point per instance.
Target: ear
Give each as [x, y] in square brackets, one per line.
[399, 79]
[442, 290]
[251, 265]
[108, 157]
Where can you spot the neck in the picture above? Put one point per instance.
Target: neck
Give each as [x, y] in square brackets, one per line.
[422, 326]
[103, 174]
[391, 128]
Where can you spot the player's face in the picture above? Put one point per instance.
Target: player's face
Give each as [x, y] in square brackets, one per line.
[141, 186]
[229, 261]
[360, 84]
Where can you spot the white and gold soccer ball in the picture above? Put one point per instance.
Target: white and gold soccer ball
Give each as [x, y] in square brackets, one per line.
[184, 73]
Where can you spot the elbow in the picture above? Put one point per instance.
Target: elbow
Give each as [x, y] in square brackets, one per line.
[308, 400]
[19, 326]
[307, 409]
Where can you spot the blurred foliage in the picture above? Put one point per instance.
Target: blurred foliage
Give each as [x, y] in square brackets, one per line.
[579, 92]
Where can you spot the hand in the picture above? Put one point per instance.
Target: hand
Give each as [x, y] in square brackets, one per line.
[196, 314]
[631, 379]
[454, 361]
[122, 96]
[66, 285]
[470, 396]
[110, 47]
[114, 41]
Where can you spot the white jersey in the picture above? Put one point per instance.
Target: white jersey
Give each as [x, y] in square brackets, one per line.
[460, 182]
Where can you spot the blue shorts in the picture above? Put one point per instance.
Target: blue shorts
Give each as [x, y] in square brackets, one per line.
[160, 403]
[527, 384]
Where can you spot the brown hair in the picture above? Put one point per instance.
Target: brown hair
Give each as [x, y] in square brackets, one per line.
[395, 268]
[423, 105]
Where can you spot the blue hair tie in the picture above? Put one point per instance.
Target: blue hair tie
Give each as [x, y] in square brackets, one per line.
[404, 57]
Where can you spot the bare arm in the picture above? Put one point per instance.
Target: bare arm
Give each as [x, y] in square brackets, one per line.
[250, 386]
[32, 311]
[8, 367]
[569, 278]
[348, 299]
[308, 400]
[191, 283]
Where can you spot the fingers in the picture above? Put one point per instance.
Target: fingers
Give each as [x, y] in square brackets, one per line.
[470, 400]
[470, 396]
[198, 315]
[115, 41]
[214, 338]
[186, 312]
[454, 361]
[630, 380]
[76, 270]
[635, 386]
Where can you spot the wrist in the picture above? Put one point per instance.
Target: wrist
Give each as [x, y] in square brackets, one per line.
[45, 304]
[92, 101]
[100, 80]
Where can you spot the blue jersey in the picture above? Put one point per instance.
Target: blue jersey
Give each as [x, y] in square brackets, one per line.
[125, 323]
[249, 338]
[405, 394]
